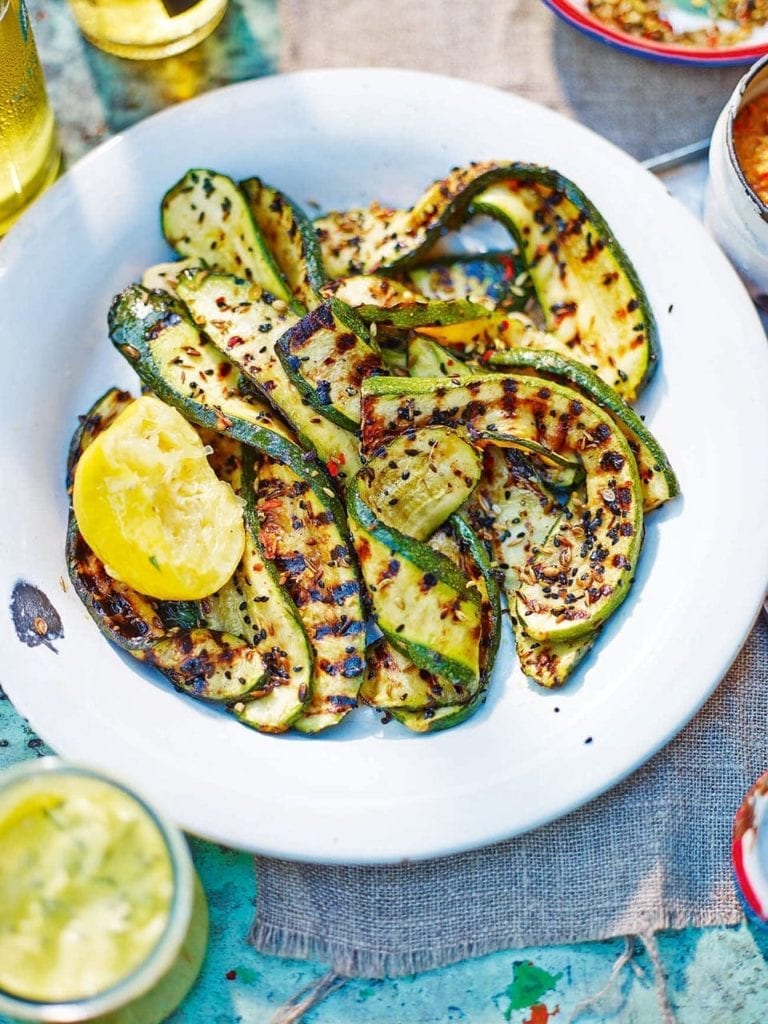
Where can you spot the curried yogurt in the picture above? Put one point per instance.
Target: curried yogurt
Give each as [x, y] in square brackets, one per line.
[86, 885]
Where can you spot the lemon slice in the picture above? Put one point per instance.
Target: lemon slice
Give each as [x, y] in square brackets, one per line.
[149, 505]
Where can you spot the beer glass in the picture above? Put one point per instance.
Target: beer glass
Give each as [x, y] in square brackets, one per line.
[146, 29]
[29, 150]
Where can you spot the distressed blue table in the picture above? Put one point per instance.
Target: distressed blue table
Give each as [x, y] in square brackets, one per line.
[717, 974]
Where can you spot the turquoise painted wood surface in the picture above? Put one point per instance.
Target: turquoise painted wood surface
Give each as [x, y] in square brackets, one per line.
[714, 975]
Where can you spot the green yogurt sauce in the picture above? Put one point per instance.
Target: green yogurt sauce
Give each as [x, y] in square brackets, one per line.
[86, 884]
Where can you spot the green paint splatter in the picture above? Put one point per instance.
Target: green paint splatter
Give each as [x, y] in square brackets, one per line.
[247, 976]
[153, 561]
[529, 984]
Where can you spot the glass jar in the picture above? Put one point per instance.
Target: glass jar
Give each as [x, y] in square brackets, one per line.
[29, 150]
[749, 852]
[734, 213]
[79, 829]
[147, 29]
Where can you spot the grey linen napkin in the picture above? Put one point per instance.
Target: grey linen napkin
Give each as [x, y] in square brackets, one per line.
[652, 853]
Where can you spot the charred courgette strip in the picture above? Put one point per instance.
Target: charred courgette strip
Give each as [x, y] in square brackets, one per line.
[415, 483]
[242, 322]
[590, 294]
[393, 681]
[205, 215]
[551, 664]
[428, 359]
[402, 574]
[363, 241]
[327, 363]
[154, 332]
[563, 596]
[207, 664]
[515, 514]
[382, 300]
[256, 606]
[290, 237]
[656, 474]
[588, 290]
[317, 568]
[473, 561]
[497, 280]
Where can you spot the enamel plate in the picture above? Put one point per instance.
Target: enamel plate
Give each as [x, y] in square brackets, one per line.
[368, 792]
[682, 16]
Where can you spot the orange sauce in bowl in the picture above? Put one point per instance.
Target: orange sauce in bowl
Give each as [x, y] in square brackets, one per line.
[750, 141]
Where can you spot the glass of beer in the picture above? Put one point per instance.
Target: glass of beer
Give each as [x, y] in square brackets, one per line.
[147, 29]
[29, 150]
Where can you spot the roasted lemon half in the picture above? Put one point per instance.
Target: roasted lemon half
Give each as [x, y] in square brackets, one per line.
[150, 506]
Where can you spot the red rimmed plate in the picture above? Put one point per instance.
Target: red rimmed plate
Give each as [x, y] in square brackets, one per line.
[684, 17]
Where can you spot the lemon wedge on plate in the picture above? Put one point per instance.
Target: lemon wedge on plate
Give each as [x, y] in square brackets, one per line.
[150, 506]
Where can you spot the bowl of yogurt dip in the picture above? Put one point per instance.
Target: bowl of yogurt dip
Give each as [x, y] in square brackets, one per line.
[101, 912]
[736, 207]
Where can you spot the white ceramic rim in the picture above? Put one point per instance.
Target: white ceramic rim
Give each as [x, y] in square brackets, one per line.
[459, 812]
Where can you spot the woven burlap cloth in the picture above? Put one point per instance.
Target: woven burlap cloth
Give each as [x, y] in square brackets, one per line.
[653, 852]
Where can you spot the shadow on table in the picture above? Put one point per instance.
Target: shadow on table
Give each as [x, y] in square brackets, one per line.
[242, 47]
[645, 106]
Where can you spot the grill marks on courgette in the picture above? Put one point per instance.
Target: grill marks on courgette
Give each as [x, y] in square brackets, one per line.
[419, 480]
[584, 571]
[290, 237]
[207, 664]
[382, 300]
[656, 474]
[328, 363]
[515, 514]
[205, 215]
[462, 545]
[256, 606]
[317, 569]
[402, 574]
[589, 293]
[244, 323]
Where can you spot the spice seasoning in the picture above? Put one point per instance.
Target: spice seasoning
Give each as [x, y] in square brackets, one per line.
[750, 141]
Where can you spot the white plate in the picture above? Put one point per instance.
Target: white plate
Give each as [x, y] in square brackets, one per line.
[367, 792]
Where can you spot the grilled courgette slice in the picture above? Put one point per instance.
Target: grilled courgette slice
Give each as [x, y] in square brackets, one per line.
[206, 216]
[516, 515]
[590, 294]
[290, 237]
[420, 479]
[327, 363]
[495, 280]
[392, 681]
[656, 474]
[382, 300]
[555, 602]
[402, 574]
[256, 606]
[427, 359]
[207, 664]
[244, 324]
[317, 568]
[459, 541]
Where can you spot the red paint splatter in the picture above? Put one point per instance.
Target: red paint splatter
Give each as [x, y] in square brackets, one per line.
[541, 1015]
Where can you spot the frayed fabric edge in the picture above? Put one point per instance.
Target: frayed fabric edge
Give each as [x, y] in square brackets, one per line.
[275, 940]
